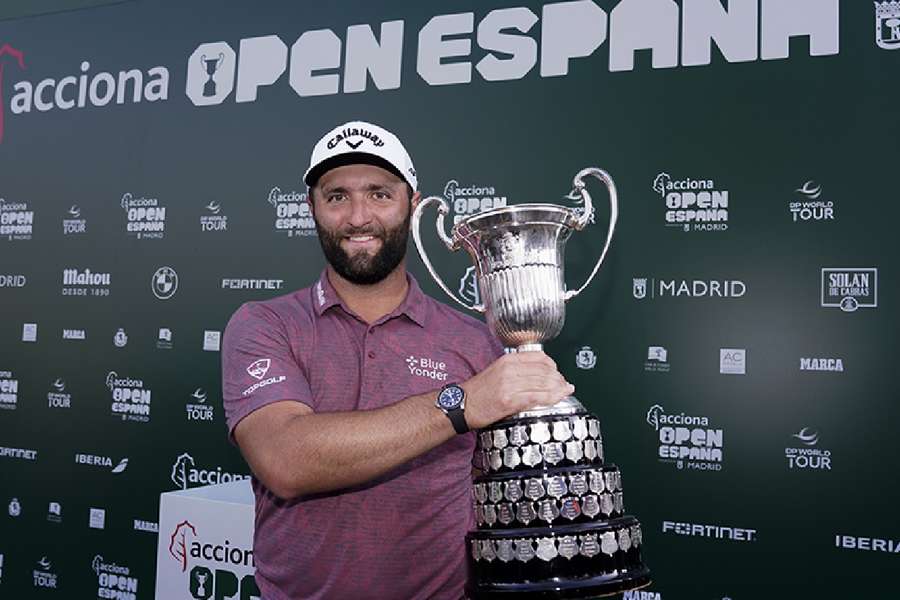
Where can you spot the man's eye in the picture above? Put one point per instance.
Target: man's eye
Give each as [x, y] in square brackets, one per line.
[382, 195]
[335, 197]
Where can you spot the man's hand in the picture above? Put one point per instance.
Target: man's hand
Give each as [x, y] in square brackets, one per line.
[513, 383]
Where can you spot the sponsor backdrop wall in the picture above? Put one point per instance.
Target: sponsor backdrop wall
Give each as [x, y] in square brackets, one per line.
[735, 345]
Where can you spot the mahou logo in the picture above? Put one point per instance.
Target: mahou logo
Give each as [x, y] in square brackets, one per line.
[19, 58]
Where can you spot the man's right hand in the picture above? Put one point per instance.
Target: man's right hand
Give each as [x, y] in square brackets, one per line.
[513, 383]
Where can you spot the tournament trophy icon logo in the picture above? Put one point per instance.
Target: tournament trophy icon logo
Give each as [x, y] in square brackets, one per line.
[212, 65]
[549, 512]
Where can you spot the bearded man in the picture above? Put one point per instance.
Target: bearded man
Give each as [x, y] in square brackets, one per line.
[352, 400]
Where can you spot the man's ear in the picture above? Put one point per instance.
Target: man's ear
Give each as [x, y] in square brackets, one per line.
[417, 197]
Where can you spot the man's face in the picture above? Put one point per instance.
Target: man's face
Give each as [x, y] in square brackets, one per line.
[362, 216]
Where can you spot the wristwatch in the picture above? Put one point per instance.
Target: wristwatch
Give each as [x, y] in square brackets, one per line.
[452, 400]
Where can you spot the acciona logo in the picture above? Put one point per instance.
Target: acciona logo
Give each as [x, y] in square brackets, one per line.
[292, 212]
[16, 219]
[85, 282]
[130, 398]
[693, 204]
[113, 580]
[212, 562]
[185, 474]
[687, 440]
[468, 199]
[145, 217]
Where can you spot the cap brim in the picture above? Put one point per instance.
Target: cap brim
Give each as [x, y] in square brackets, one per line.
[349, 158]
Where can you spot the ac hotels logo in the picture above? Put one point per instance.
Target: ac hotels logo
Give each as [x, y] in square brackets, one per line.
[19, 56]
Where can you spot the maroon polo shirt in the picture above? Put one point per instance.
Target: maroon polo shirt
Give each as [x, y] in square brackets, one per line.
[399, 536]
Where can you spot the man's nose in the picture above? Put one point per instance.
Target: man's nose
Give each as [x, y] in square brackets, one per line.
[359, 211]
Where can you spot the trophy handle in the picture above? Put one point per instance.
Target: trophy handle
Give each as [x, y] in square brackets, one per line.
[580, 192]
[443, 209]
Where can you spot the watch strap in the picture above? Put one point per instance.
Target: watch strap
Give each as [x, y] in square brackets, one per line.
[457, 416]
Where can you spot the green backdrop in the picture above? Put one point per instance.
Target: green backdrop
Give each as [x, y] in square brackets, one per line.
[776, 321]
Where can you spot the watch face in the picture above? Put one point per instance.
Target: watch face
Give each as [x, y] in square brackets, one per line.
[450, 397]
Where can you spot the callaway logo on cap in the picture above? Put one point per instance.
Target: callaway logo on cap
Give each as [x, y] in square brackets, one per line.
[360, 142]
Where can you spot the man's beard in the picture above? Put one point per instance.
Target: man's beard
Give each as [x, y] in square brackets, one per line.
[363, 268]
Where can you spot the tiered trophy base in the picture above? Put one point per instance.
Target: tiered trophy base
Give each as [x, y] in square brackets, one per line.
[549, 511]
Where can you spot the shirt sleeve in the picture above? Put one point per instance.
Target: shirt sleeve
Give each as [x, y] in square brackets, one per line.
[258, 365]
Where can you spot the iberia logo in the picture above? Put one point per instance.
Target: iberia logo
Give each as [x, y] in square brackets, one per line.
[178, 543]
[7, 50]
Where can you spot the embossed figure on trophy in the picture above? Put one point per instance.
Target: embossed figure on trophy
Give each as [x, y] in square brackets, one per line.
[549, 510]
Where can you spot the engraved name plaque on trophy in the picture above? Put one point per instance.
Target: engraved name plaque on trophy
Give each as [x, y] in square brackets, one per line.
[549, 510]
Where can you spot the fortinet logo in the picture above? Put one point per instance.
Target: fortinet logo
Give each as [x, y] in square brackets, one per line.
[252, 284]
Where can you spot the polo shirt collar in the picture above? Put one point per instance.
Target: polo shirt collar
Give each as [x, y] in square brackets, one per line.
[413, 305]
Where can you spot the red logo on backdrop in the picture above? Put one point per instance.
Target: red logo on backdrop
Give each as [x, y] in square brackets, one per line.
[178, 543]
[6, 49]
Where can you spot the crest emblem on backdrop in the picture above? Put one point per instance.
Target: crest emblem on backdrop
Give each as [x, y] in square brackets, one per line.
[639, 288]
[887, 24]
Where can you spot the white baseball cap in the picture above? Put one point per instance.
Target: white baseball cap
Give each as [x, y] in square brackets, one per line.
[358, 142]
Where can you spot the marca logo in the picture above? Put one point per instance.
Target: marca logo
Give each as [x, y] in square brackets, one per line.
[114, 581]
[85, 282]
[810, 208]
[641, 595]
[73, 224]
[16, 220]
[737, 534]
[185, 474]
[687, 288]
[887, 24]
[145, 217]
[9, 391]
[686, 440]
[835, 365]
[470, 199]
[693, 204]
[148, 526]
[850, 289]
[74, 334]
[252, 284]
[427, 367]
[130, 399]
[292, 212]
[808, 458]
[58, 397]
[13, 281]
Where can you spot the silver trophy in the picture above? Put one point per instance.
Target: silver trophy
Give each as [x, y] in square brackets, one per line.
[549, 511]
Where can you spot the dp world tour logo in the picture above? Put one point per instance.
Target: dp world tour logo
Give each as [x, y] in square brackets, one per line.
[19, 56]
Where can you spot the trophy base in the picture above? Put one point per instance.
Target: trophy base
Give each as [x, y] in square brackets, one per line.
[564, 589]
